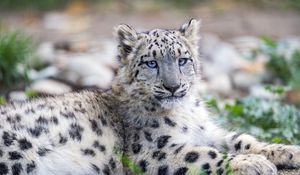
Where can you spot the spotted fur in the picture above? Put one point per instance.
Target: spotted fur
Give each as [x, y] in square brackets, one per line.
[168, 129]
[75, 133]
[153, 118]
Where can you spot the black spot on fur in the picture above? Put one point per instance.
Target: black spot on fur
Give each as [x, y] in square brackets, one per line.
[136, 148]
[155, 124]
[68, 114]
[96, 168]
[220, 171]
[54, 120]
[181, 171]
[136, 73]
[75, 131]
[238, 146]
[220, 163]
[155, 154]
[43, 151]
[3, 168]
[148, 136]
[1, 153]
[8, 138]
[24, 144]
[42, 120]
[184, 129]
[37, 130]
[136, 137]
[112, 163]
[100, 147]
[89, 152]
[161, 156]
[62, 139]
[16, 169]
[206, 166]
[212, 154]
[169, 122]
[143, 165]
[14, 155]
[178, 149]
[162, 141]
[95, 127]
[30, 167]
[106, 170]
[162, 170]
[103, 121]
[191, 157]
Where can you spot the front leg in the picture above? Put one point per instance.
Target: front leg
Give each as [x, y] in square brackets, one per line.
[279, 154]
[166, 157]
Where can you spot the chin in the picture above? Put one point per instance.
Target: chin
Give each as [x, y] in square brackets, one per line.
[170, 103]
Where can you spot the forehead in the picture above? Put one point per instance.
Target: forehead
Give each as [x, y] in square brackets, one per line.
[161, 42]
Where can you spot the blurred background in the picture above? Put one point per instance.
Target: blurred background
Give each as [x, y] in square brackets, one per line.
[250, 53]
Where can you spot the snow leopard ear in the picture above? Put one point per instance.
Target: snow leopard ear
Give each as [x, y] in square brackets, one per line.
[190, 31]
[127, 38]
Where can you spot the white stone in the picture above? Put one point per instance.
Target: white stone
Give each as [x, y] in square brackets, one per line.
[50, 71]
[244, 80]
[17, 96]
[45, 52]
[49, 87]
[90, 71]
[261, 92]
[220, 84]
[245, 45]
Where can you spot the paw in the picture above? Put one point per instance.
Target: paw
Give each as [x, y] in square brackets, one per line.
[251, 164]
[284, 155]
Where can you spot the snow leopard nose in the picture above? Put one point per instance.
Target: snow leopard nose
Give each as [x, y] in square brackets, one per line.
[172, 89]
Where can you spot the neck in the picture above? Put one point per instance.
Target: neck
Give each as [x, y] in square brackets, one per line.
[137, 110]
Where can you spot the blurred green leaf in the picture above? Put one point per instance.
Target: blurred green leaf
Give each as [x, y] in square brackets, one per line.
[2, 100]
[15, 50]
[31, 94]
[269, 120]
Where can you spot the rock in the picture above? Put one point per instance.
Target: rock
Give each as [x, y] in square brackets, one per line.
[94, 80]
[50, 71]
[288, 46]
[221, 55]
[45, 52]
[245, 80]
[261, 92]
[90, 71]
[66, 23]
[17, 96]
[245, 45]
[220, 83]
[47, 86]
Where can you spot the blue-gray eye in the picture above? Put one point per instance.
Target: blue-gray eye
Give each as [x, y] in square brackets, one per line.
[182, 61]
[151, 64]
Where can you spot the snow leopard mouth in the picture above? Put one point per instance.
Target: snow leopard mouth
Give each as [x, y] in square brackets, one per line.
[169, 98]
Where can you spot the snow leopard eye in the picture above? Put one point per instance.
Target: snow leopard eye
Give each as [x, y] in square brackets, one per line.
[152, 64]
[183, 61]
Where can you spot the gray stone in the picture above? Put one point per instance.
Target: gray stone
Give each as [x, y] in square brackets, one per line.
[49, 87]
[17, 96]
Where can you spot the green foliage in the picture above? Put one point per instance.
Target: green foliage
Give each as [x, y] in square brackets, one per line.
[31, 94]
[269, 120]
[2, 100]
[15, 50]
[282, 67]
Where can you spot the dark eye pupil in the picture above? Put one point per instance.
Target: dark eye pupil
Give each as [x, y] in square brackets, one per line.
[152, 64]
